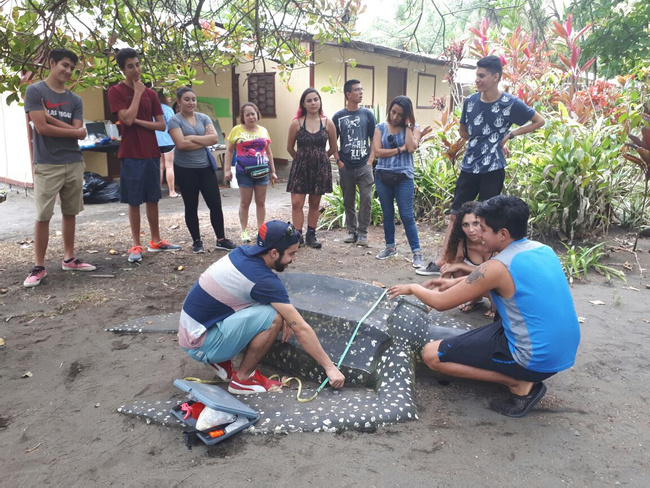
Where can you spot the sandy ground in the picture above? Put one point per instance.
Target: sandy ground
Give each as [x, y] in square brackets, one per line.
[60, 426]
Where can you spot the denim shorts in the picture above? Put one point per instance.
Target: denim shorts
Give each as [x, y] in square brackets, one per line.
[246, 182]
[227, 338]
[140, 181]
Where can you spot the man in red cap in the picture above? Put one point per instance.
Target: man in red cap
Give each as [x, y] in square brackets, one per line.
[239, 302]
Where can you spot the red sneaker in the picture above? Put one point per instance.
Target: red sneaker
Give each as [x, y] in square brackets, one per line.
[256, 383]
[223, 370]
[162, 246]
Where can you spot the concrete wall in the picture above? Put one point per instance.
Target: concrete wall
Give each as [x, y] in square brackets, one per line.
[286, 103]
[15, 161]
[93, 100]
[333, 64]
[219, 86]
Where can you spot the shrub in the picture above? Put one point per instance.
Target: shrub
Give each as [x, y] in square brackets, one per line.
[574, 177]
[333, 215]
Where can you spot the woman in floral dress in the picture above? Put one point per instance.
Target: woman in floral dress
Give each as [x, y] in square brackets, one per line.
[311, 172]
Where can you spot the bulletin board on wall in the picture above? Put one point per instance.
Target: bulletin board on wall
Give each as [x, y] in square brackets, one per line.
[213, 107]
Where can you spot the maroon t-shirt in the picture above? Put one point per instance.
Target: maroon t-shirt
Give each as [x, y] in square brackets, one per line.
[137, 142]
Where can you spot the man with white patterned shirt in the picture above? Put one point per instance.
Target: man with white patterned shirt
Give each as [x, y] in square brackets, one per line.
[485, 122]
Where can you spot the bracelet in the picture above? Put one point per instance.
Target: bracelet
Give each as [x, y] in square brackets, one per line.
[510, 135]
[399, 151]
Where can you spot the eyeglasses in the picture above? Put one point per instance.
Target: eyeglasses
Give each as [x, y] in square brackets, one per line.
[391, 139]
[290, 230]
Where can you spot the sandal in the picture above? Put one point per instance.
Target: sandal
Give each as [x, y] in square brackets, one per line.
[467, 307]
[491, 313]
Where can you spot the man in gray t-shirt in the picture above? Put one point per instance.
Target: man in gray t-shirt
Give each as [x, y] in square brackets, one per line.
[56, 120]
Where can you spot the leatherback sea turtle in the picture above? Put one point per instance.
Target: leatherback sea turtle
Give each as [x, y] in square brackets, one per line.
[379, 367]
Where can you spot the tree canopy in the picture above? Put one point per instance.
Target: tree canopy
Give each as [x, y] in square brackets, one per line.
[619, 36]
[174, 36]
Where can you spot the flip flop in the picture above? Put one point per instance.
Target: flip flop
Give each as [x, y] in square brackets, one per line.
[490, 313]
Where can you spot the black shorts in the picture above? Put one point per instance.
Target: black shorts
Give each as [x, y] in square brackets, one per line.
[486, 348]
[166, 149]
[483, 185]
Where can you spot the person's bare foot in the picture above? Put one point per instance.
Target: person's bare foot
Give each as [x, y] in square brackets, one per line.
[467, 307]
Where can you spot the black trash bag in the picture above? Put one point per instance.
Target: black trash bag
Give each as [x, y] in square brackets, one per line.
[98, 189]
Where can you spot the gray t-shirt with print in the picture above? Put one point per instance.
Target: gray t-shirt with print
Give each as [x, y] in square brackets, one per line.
[197, 158]
[62, 106]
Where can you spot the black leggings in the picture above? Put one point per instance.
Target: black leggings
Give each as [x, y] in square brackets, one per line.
[191, 181]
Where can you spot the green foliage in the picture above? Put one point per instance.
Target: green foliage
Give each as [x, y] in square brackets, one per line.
[620, 37]
[435, 181]
[573, 177]
[578, 260]
[333, 215]
[174, 37]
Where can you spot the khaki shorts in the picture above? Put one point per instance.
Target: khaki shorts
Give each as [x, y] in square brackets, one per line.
[66, 180]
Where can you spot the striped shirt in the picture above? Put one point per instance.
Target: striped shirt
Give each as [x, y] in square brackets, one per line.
[235, 282]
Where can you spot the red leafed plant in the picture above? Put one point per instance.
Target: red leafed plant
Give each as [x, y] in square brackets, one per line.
[642, 146]
[445, 129]
[564, 31]
[479, 46]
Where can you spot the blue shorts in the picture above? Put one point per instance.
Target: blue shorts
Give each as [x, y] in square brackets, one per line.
[140, 181]
[245, 182]
[227, 338]
[487, 348]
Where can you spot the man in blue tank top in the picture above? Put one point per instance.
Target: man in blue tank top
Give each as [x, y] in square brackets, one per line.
[537, 334]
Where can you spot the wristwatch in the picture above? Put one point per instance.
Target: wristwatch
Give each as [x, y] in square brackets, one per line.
[409, 126]
[510, 135]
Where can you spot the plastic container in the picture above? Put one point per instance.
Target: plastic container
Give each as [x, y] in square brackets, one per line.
[218, 399]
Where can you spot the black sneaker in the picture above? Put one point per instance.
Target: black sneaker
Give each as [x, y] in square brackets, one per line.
[431, 269]
[197, 247]
[312, 241]
[226, 245]
[518, 406]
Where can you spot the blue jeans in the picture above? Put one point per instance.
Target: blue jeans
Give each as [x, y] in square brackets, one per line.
[402, 193]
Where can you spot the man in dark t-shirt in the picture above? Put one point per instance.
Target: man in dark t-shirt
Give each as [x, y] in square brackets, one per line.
[56, 119]
[140, 114]
[485, 123]
[355, 126]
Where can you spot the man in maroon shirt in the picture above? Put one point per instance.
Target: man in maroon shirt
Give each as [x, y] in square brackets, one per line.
[140, 114]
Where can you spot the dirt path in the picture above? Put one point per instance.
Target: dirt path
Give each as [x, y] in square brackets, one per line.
[60, 427]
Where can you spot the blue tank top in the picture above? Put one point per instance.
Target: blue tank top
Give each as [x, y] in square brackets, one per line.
[539, 320]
